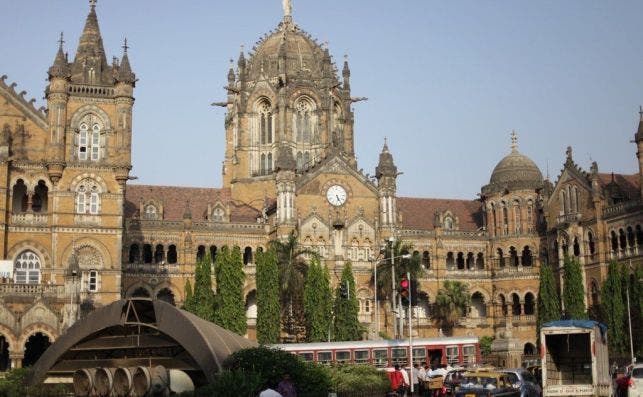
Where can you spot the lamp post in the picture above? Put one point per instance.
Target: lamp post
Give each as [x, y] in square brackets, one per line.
[629, 315]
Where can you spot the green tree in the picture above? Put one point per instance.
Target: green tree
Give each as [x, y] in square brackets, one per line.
[614, 308]
[268, 308]
[203, 299]
[485, 345]
[188, 303]
[451, 303]
[347, 327]
[412, 265]
[573, 290]
[291, 282]
[318, 302]
[636, 307]
[548, 298]
[229, 302]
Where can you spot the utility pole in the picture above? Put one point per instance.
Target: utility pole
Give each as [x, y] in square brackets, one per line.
[392, 255]
[629, 315]
[413, 374]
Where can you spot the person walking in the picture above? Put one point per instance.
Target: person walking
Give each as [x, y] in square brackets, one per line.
[398, 384]
[286, 387]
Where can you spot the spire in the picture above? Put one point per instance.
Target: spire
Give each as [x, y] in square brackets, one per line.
[231, 73]
[639, 133]
[125, 74]
[287, 6]
[60, 68]
[241, 64]
[386, 166]
[514, 141]
[90, 63]
[346, 73]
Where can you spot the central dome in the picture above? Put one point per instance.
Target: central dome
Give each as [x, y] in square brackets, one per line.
[301, 52]
[514, 171]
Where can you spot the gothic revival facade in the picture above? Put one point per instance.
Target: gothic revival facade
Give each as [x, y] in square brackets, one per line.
[77, 236]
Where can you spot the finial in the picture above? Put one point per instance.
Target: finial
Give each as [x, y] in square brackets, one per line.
[61, 41]
[345, 57]
[287, 5]
[641, 112]
[231, 63]
[125, 47]
[92, 4]
[514, 141]
[568, 152]
[242, 48]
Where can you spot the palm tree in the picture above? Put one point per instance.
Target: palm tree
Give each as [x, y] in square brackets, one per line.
[402, 265]
[451, 303]
[292, 270]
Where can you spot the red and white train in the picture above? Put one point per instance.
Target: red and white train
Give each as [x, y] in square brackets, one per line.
[463, 351]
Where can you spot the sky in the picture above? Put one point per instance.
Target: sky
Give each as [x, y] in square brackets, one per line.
[447, 81]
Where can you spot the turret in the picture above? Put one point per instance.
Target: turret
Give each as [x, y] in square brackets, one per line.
[638, 138]
[285, 166]
[124, 93]
[386, 174]
[57, 97]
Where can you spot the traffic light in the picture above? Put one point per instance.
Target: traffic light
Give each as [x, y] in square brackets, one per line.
[343, 290]
[404, 292]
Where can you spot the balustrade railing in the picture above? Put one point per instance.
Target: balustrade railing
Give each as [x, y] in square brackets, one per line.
[29, 219]
[31, 289]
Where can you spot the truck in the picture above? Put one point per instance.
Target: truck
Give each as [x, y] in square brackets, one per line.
[574, 359]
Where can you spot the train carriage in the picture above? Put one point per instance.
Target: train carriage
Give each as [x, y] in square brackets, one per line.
[463, 351]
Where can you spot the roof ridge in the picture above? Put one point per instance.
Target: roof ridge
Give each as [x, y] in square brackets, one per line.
[40, 113]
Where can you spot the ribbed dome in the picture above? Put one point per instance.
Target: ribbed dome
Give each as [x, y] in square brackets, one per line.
[300, 50]
[514, 171]
[516, 167]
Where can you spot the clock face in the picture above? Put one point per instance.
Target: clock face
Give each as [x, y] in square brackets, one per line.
[336, 195]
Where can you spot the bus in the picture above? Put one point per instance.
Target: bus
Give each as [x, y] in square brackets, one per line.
[454, 351]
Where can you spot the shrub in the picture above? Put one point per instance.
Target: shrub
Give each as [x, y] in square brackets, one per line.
[233, 383]
[351, 378]
[14, 384]
[271, 364]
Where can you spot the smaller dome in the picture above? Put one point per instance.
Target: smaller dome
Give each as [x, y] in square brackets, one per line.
[515, 170]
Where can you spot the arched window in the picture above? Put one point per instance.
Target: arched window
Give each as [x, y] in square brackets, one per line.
[39, 202]
[530, 303]
[515, 306]
[264, 110]
[630, 237]
[92, 281]
[147, 253]
[530, 216]
[493, 219]
[591, 245]
[460, 261]
[218, 214]
[501, 258]
[171, 254]
[19, 197]
[304, 121]
[89, 138]
[513, 256]
[527, 257]
[159, 254]
[478, 306]
[134, 254]
[88, 197]
[563, 202]
[200, 253]
[503, 304]
[26, 268]
[247, 255]
[614, 240]
[595, 293]
[150, 212]
[517, 220]
[470, 260]
[621, 239]
[450, 260]
[480, 261]
[448, 223]
[639, 235]
[505, 220]
[426, 260]
[576, 247]
[213, 253]
[300, 161]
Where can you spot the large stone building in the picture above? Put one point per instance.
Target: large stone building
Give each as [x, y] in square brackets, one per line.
[76, 235]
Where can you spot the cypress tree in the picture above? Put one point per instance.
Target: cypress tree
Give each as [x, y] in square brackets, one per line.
[268, 308]
[317, 302]
[573, 290]
[548, 299]
[203, 294]
[614, 308]
[188, 303]
[230, 310]
[347, 327]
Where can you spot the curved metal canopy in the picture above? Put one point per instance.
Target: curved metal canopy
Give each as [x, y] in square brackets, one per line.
[141, 332]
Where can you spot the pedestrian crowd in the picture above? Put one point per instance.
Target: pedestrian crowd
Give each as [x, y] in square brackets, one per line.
[420, 374]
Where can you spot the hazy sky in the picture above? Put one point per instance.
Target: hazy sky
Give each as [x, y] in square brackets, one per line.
[447, 81]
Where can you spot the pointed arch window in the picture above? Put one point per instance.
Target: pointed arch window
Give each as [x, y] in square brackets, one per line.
[27, 268]
[265, 122]
[89, 138]
[304, 121]
[151, 212]
[88, 198]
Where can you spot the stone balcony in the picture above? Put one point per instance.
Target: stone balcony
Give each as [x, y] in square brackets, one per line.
[150, 268]
[8, 290]
[568, 218]
[30, 219]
